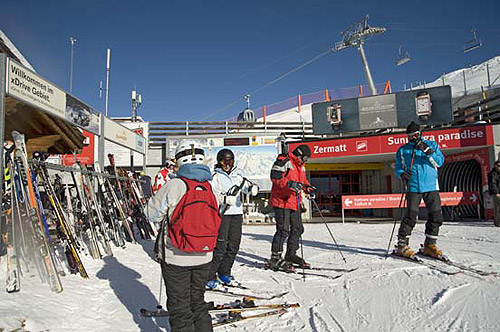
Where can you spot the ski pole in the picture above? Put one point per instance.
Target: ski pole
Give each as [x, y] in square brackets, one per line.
[159, 306]
[297, 192]
[329, 231]
[395, 222]
[405, 189]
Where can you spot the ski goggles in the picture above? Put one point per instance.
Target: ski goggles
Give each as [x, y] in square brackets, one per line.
[227, 162]
[189, 152]
[413, 136]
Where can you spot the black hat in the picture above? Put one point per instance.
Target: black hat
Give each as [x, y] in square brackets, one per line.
[412, 128]
[302, 150]
[225, 154]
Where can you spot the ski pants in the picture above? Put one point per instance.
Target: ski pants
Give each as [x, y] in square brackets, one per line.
[434, 219]
[186, 304]
[228, 244]
[288, 225]
[496, 202]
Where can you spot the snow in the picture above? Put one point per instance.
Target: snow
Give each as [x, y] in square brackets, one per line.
[382, 295]
[475, 77]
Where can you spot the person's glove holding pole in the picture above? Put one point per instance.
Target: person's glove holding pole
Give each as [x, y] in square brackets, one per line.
[294, 185]
[406, 177]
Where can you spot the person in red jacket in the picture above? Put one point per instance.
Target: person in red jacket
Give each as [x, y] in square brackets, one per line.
[288, 177]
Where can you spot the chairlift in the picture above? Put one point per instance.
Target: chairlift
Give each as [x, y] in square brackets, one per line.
[473, 43]
[403, 57]
[246, 116]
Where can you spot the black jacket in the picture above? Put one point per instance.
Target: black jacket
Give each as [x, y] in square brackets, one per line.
[494, 182]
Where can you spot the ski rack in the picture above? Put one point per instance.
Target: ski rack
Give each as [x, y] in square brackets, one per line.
[62, 168]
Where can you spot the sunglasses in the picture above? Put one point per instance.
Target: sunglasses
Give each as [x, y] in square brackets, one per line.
[227, 162]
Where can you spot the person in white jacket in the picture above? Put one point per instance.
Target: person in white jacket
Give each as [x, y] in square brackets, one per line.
[228, 184]
[184, 273]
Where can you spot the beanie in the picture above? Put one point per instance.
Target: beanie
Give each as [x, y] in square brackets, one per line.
[302, 150]
[412, 128]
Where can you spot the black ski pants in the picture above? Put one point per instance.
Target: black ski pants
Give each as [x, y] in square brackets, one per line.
[186, 304]
[288, 225]
[434, 219]
[228, 244]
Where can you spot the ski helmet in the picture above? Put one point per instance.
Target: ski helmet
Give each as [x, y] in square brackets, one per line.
[225, 156]
[189, 152]
[303, 152]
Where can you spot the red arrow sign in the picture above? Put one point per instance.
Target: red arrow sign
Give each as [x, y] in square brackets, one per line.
[389, 201]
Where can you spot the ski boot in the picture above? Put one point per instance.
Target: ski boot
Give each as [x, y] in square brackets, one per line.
[404, 251]
[277, 263]
[229, 281]
[431, 250]
[297, 261]
[214, 285]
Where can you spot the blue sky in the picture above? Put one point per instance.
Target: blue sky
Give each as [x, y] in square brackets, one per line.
[191, 59]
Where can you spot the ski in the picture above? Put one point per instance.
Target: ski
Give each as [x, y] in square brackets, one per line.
[233, 318]
[33, 213]
[306, 273]
[12, 280]
[224, 308]
[431, 266]
[314, 268]
[69, 237]
[460, 266]
[229, 292]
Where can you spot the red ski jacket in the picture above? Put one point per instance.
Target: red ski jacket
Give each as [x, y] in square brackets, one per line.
[287, 167]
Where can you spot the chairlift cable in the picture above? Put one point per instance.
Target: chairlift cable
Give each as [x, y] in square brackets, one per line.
[271, 82]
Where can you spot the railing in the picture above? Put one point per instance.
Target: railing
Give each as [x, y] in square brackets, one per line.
[160, 130]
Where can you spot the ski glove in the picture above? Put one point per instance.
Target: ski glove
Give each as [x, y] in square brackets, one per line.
[229, 200]
[405, 177]
[254, 189]
[424, 147]
[294, 185]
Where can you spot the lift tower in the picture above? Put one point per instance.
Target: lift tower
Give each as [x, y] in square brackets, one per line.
[354, 37]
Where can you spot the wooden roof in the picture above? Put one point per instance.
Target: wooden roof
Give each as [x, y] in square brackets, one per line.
[43, 132]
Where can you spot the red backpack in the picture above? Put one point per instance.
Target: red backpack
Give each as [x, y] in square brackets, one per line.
[196, 219]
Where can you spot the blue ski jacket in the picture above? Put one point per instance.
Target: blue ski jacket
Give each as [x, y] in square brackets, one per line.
[424, 177]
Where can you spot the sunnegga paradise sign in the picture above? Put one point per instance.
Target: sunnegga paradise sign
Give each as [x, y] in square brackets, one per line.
[384, 144]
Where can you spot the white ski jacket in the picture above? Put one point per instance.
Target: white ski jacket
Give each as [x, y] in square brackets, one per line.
[222, 183]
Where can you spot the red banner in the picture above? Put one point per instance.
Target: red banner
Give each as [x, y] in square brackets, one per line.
[389, 201]
[87, 155]
[370, 145]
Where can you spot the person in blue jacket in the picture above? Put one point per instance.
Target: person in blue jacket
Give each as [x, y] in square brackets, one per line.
[228, 184]
[417, 164]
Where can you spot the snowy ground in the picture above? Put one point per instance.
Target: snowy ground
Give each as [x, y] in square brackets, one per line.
[382, 295]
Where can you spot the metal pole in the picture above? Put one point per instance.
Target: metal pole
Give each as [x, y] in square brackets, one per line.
[488, 73]
[132, 161]
[2, 119]
[367, 69]
[108, 58]
[100, 147]
[465, 83]
[72, 42]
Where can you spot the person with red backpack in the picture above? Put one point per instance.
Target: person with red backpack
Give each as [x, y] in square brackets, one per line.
[288, 177]
[188, 211]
